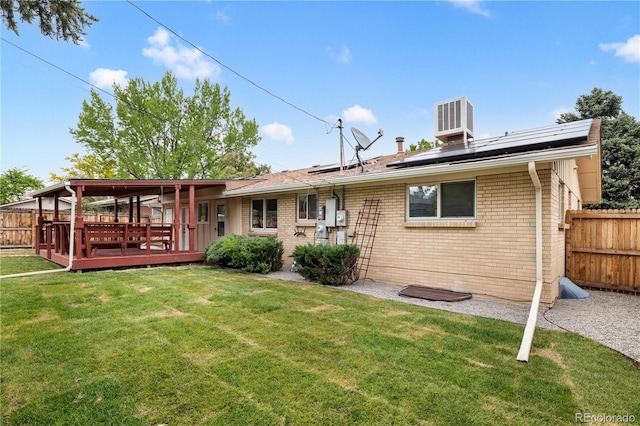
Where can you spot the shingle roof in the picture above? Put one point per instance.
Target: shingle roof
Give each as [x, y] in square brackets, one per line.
[316, 175]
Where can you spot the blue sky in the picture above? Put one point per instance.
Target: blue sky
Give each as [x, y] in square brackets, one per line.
[374, 64]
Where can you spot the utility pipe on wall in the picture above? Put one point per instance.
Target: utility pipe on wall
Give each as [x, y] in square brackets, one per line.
[527, 338]
[72, 228]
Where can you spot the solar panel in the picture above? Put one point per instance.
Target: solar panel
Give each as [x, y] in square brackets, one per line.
[514, 142]
[335, 167]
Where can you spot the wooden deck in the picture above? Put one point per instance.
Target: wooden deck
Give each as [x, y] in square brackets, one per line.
[107, 258]
[121, 242]
[113, 245]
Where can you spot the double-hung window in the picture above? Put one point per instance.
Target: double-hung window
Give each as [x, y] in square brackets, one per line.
[203, 212]
[264, 214]
[307, 207]
[445, 200]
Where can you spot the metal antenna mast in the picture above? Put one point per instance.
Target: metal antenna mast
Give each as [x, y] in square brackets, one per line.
[341, 145]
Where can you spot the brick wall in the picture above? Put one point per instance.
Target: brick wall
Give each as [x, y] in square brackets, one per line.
[492, 256]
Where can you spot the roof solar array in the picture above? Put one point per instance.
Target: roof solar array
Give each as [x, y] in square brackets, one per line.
[336, 167]
[514, 142]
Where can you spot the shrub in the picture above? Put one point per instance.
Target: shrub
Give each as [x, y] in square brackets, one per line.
[332, 265]
[250, 254]
[222, 251]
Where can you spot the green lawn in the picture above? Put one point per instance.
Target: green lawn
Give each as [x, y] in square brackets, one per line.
[197, 345]
[16, 261]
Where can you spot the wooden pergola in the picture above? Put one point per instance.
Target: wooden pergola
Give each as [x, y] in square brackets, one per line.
[124, 242]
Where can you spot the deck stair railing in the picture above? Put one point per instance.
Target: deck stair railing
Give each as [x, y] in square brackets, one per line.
[365, 234]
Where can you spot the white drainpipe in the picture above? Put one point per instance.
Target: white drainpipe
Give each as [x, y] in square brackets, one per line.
[527, 338]
[71, 244]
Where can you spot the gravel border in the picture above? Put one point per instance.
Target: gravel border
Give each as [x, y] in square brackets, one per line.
[612, 319]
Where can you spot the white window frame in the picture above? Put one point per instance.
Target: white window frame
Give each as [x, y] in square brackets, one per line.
[438, 216]
[315, 211]
[206, 204]
[561, 208]
[263, 228]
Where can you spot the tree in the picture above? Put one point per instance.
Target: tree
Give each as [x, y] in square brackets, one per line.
[14, 183]
[620, 147]
[424, 144]
[59, 19]
[85, 167]
[157, 132]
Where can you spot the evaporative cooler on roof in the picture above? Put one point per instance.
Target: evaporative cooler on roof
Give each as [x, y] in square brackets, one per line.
[454, 119]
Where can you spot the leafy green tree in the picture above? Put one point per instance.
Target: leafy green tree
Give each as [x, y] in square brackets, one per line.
[85, 167]
[423, 144]
[620, 147]
[157, 132]
[14, 183]
[59, 19]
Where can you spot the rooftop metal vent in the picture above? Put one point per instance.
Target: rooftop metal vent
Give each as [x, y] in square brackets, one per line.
[454, 118]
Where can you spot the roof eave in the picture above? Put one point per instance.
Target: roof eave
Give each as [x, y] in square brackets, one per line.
[50, 190]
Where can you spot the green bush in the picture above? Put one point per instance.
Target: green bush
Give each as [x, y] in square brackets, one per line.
[332, 265]
[222, 251]
[250, 254]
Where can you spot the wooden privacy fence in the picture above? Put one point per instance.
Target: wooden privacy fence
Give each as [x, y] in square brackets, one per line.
[17, 227]
[603, 249]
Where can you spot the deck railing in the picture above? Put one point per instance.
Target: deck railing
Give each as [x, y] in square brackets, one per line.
[150, 237]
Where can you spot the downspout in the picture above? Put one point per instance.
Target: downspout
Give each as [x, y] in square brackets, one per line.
[72, 239]
[527, 338]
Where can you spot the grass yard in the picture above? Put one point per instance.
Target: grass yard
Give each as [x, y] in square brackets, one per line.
[196, 345]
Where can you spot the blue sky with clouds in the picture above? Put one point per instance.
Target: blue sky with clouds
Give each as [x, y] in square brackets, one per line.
[374, 64]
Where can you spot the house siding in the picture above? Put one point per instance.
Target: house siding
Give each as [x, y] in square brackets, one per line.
[494, 258]
[563, 195]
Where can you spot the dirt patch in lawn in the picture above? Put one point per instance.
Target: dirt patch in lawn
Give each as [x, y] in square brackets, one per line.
[321, 308]
[553, 355]
[162, 314]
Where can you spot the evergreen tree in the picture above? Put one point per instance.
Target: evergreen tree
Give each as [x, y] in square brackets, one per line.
[620, 147]
[60, 19]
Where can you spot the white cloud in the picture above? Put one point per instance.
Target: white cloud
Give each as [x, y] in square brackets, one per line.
[223, 17]
[418, 112]
[105, 78]
[343, 56]
[629, 51]
[557, 112]
[84, 44]
[182, 61]
[278, 132]
[331, 118]
[357, 114]
[473, 6]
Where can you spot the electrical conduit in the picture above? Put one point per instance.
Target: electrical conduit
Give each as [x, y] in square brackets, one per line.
[527, 338]
[71, 244]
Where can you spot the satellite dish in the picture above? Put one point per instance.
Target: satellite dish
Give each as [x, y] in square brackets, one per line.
[363, 142]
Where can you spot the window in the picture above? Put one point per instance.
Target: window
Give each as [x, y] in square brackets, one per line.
[203, 212]
[264, 214]
[307, 207]
[560, 202]
[442, 200]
